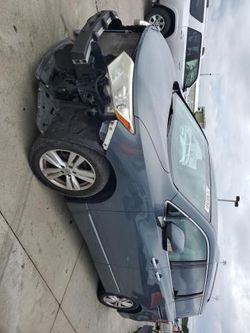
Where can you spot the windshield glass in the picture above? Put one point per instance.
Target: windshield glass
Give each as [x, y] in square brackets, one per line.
[189, 157]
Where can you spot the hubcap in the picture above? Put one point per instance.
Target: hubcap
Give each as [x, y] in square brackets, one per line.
[67, 170]
[118, 302]
[157, 21]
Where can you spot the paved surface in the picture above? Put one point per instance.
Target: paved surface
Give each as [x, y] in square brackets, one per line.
[47, 280]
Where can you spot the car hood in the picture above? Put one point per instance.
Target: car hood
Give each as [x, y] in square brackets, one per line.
[154, 77]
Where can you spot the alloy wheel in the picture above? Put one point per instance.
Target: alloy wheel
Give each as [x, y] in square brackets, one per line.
[118, 302]
[67, 170]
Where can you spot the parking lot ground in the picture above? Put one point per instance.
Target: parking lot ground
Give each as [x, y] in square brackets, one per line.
[47, 279]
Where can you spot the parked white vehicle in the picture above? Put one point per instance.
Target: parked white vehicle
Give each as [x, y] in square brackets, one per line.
[182, 23]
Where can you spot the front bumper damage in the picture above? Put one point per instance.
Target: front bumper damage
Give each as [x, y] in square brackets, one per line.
[78, 63]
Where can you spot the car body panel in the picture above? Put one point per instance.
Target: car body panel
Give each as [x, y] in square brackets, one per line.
[123, 260]
[154, 77]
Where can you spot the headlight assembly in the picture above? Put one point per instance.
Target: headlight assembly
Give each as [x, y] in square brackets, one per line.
[120, 73]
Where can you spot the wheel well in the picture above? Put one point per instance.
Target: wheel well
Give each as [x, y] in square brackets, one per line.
[172, 18]
[82, 130]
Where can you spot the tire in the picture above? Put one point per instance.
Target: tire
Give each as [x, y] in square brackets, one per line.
[116, 301]
[160, 18]
[68, 167]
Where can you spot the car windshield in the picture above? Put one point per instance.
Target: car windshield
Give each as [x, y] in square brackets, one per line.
[189, 157]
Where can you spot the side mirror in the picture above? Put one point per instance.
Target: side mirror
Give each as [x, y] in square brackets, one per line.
[173, 238]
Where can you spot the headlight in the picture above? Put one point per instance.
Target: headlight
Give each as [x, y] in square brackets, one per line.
[120, 73]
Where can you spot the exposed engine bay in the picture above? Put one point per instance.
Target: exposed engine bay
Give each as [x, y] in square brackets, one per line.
[74, 77]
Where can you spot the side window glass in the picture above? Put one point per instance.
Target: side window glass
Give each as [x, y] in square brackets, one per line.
[197, 9]
[193, 53]
[191, 72]
[193, 243]
[188, 279]
[187, 306]
[187, 251]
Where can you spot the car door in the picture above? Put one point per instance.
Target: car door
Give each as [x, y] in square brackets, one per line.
[162, 295]
[132, 242]
[188, 262]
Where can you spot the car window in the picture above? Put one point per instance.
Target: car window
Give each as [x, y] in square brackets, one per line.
[191, 72]
[197, 9]
[188, 306]
[188, 278]
[189, 157]
[193, 54]
[195, 246]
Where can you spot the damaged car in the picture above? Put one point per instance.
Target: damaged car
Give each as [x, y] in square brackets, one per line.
[119, 142]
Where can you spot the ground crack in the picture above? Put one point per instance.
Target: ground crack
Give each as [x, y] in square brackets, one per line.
[96, 5]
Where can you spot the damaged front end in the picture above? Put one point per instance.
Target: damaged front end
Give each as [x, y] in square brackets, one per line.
[74, 75]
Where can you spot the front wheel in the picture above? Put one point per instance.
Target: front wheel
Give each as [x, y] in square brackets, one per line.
[69, 168]
[160, 18]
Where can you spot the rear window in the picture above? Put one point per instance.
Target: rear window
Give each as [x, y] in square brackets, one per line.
[197, 9]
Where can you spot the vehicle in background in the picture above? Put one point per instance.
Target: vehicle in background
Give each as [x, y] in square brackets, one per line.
[182, 23]
[133, 164]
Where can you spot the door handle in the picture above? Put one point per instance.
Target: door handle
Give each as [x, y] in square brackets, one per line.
[158, 276]
[155, 263]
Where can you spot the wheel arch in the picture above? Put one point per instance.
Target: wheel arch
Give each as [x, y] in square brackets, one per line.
[95, 144]
[83, 131]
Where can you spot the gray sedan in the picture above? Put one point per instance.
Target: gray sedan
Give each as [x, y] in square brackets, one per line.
[118, 140]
